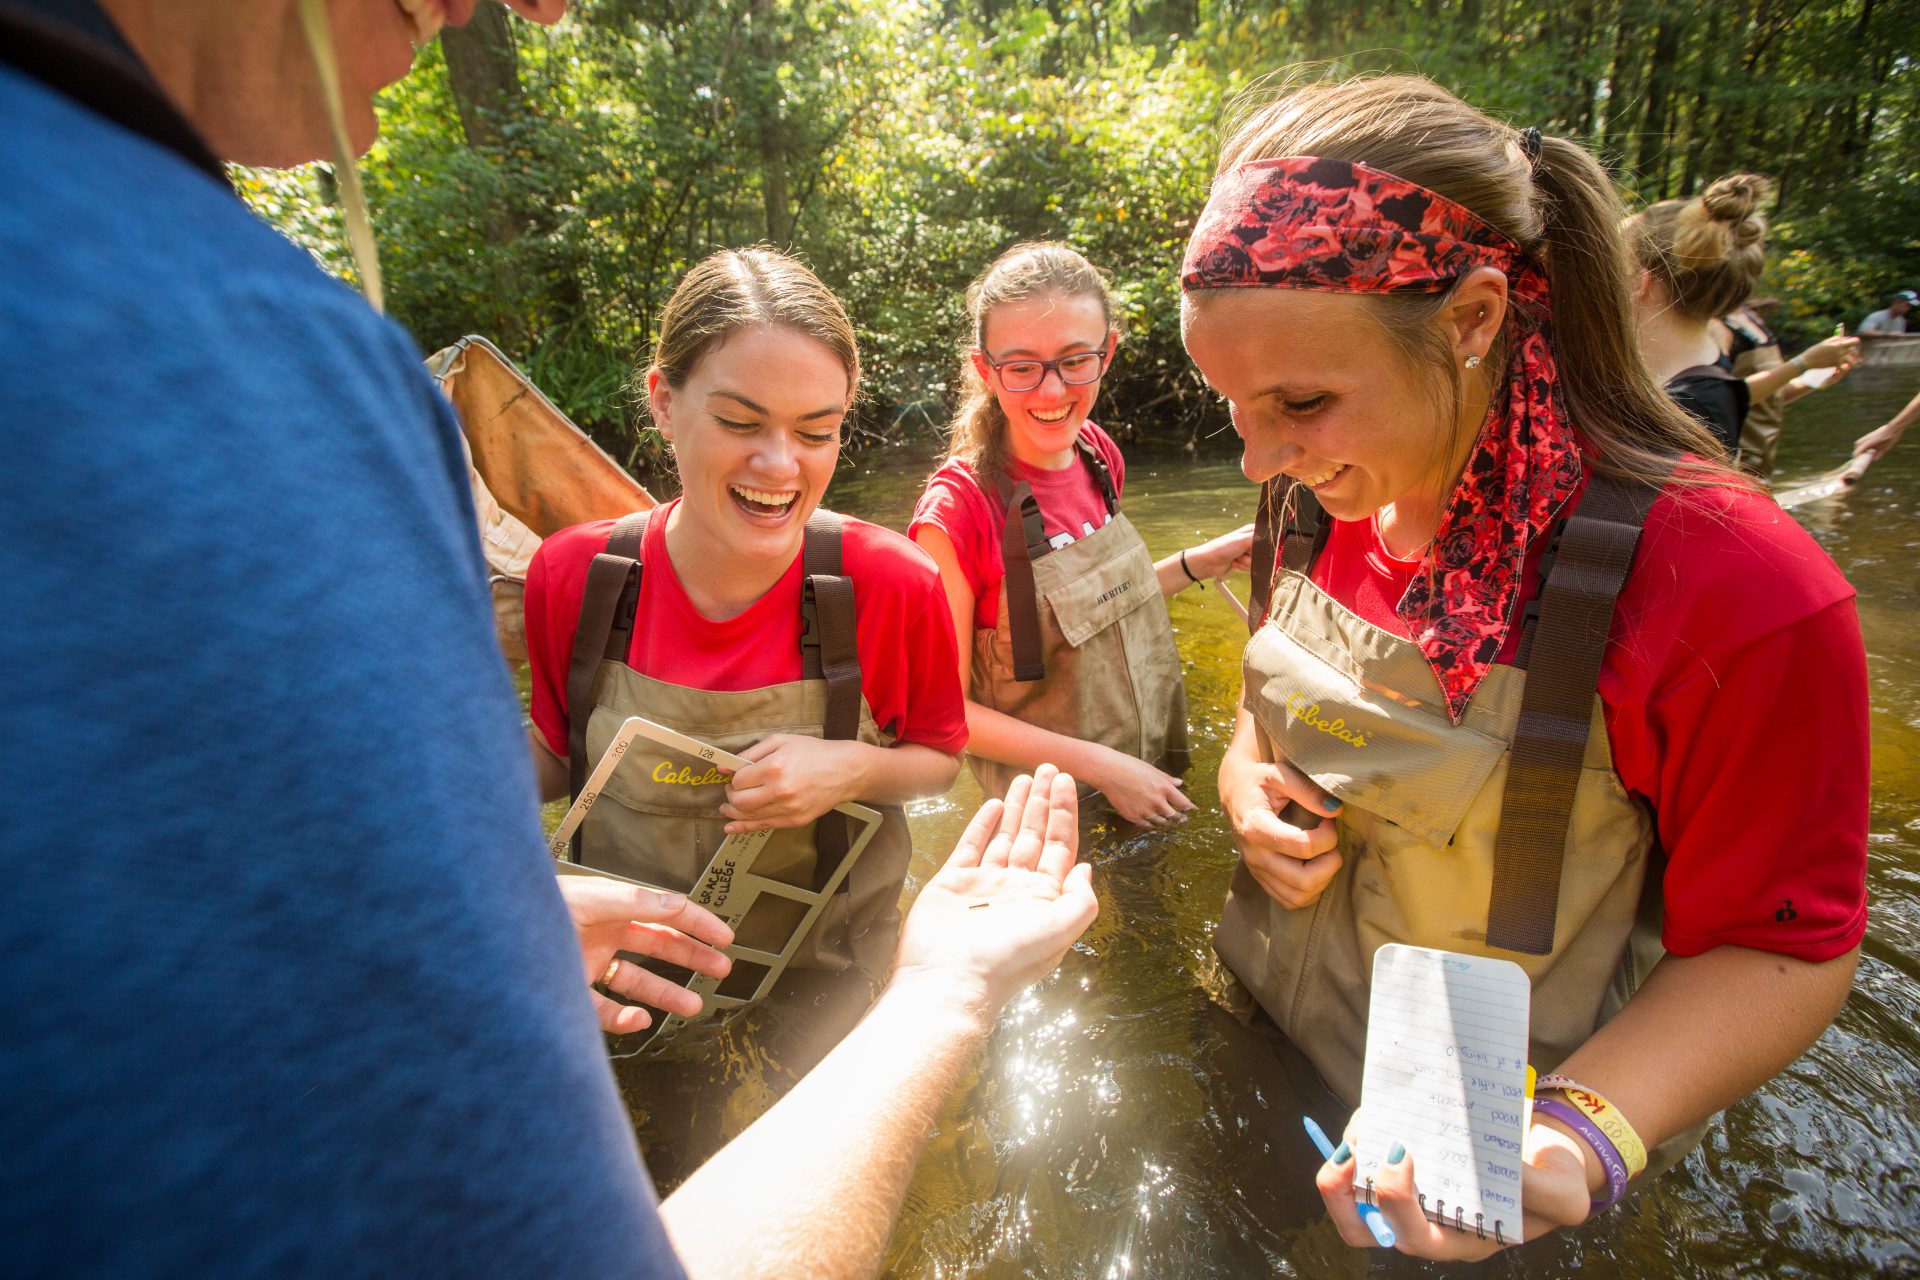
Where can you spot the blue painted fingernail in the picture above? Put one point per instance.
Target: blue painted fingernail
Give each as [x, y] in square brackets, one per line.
[1333, 802]
[1340, 1154]
[1396, 1154]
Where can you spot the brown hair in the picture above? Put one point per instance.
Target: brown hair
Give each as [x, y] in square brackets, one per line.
[1707, 251]
[1560, 208]
[977, 435]
[738, 289]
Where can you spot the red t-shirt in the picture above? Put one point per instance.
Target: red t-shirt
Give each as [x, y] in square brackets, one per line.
[908, 670]
[1071, 507]
[1735, 688]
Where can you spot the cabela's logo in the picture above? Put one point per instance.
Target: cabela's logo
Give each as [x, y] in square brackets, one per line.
[1309, 714]
[684, 777]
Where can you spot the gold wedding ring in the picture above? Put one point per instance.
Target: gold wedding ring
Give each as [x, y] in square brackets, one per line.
[613, 967]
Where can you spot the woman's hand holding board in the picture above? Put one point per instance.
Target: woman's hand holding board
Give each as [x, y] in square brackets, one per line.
[790, 780]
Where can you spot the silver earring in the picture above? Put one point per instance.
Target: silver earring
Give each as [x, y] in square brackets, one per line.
[1473, 362]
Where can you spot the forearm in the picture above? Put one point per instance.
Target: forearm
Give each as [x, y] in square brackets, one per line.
[995, 735]
[1900, 421]
[1773, 381]
[823, 1173]
[1172, 578]
[1705, 1031]
[549, 771]
[1244, 747]
[905, 771]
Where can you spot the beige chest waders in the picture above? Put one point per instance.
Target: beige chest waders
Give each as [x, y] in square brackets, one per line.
[658, 816]
[1083, 646]
[1507, 835]
[1760, 432]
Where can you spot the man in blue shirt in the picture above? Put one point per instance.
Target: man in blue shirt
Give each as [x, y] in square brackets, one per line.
[288, 985]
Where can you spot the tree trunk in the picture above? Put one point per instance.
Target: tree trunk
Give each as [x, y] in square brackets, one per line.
[1651, 162]
[775, 187]
[483, 69]
[1623, 109]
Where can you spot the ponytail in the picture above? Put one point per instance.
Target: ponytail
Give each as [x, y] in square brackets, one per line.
[1632, 427]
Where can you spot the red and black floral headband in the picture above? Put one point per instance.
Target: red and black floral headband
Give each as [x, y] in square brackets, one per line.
[1307, 222]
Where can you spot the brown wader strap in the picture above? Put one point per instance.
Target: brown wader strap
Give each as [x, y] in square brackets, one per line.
[1591, 555]
[1288, 531]
[606, 631]
[1023, 539]
[1102, 474]
[828, 652]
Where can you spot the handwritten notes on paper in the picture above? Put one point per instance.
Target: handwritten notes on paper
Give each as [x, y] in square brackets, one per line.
[1446, 1076]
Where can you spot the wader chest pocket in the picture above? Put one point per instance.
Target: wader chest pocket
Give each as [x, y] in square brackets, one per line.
[1406, 764]
[652, 778]
[1096, 599]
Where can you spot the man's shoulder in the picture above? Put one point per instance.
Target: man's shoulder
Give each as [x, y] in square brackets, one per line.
[93, 201]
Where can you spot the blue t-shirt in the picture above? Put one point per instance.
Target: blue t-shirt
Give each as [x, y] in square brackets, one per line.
[287, 987]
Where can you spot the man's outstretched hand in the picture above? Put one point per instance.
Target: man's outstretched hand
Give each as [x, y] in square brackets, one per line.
[1009, 902]
[612, 917]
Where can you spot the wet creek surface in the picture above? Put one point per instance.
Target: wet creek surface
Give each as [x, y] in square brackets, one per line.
[1118, 1125]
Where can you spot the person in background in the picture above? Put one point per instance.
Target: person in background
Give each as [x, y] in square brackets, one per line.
[1066, 651]
[1752, 352]
[1883, 437]
[1422, 319]
[736, 632]
[1698, 258]
[289, 986]
[1890, 319]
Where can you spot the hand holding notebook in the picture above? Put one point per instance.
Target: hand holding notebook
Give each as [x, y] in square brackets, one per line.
[1442, 1142]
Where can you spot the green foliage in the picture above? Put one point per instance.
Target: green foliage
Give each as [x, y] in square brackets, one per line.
[898, 147]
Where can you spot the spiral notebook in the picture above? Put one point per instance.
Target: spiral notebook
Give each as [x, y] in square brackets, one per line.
[1446, 1077]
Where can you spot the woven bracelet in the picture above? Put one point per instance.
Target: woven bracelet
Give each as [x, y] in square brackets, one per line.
[1183, 568]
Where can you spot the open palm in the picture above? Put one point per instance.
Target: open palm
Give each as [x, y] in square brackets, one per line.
[1011, 899]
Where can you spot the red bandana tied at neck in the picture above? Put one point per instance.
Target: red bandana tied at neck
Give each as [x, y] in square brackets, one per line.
[1302, 222]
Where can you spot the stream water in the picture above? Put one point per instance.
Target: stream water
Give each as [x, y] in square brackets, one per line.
[1118, 1125]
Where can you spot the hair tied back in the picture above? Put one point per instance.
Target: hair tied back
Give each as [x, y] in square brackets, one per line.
[1530, 145]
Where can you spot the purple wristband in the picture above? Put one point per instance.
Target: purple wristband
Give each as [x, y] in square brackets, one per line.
[1572, 1117]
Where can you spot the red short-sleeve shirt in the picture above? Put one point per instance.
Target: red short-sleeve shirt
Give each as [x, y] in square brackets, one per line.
[1070, 502]
[908, 670]
[1735, 689]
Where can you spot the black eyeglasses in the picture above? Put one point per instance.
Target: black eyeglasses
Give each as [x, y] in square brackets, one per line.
[1024, 375]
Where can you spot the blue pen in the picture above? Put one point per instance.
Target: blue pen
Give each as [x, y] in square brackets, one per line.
[1369, 1214]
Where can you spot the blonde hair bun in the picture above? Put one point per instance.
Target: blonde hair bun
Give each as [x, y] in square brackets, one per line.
[1709, 250]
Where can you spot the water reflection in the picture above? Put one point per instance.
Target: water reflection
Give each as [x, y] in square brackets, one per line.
[1121, 1125]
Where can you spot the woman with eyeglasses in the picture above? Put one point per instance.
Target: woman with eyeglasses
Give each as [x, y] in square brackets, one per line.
[1066, 651]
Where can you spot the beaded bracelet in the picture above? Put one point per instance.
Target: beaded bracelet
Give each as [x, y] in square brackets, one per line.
[1572, 1117]
[1618, 1129]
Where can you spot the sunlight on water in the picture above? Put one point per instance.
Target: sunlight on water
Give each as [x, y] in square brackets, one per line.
[1118, 1125]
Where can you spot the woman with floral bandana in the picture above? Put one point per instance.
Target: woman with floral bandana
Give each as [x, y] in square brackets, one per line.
[1550, 630]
